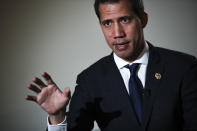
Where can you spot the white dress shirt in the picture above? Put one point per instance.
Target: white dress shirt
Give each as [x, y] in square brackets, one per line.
[125, 73]
[141, 72]
[59, 127]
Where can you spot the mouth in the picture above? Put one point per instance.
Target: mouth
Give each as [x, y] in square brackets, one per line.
[121, 46]
[120, 43]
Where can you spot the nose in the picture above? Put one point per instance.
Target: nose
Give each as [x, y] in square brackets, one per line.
[118, 31]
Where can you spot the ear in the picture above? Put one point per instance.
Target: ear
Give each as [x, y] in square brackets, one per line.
[144, 20]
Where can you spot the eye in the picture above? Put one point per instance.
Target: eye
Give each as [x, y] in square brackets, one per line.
[107, 23]
[125, 19]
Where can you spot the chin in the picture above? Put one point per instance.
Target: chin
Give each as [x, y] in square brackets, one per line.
[126, 56]
[123, 55]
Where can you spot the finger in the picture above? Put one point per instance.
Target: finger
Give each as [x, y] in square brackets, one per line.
[38, 82]
[67, 92]
[33, 88]
[31, 98]
[48, 78]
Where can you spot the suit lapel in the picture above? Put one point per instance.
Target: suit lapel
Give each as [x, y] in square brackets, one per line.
[155, 70]
[115, 79]
[153, 79]
[116, 84]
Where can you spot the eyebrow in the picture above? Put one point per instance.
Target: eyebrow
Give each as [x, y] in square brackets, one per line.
[106, 20]
[126, 17]
[121, 17]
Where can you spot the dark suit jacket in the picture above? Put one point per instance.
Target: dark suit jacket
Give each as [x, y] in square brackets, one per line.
[169, 102]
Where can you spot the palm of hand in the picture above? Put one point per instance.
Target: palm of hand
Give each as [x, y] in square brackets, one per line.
[49, 97]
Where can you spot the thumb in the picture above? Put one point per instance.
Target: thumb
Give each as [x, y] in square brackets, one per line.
[67, 92]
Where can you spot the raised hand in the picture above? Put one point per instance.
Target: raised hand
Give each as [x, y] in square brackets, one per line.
[50, 97]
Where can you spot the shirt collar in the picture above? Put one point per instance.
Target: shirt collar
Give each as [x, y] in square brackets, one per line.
[142, 58]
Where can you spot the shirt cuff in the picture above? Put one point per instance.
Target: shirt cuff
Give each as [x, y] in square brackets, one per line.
[59, 127]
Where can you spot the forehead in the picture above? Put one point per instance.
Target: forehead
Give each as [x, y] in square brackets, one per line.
[116, 9]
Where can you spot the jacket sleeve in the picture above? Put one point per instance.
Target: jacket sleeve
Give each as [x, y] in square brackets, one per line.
[81, 110]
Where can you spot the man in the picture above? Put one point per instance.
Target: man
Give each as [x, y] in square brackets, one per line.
[138, 87]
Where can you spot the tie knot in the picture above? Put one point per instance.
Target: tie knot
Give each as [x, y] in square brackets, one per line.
[132, 68]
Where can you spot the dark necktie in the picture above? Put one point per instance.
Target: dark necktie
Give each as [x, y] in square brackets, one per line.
[135, 90]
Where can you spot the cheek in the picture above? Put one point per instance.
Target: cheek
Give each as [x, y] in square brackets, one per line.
[139, 29]
[132, 32]
[130, 29]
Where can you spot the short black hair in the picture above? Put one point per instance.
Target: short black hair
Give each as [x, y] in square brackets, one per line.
[137, 6]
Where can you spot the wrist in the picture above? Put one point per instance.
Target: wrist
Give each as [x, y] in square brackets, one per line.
[57, 118]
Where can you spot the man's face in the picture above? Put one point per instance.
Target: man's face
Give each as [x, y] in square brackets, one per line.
[122, 29]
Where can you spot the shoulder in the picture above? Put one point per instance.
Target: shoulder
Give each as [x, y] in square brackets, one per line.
[176, 56]
[169, 56]
[99, 67]
[174, 62]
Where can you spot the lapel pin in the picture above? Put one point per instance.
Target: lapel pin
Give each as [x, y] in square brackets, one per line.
[158, 76]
